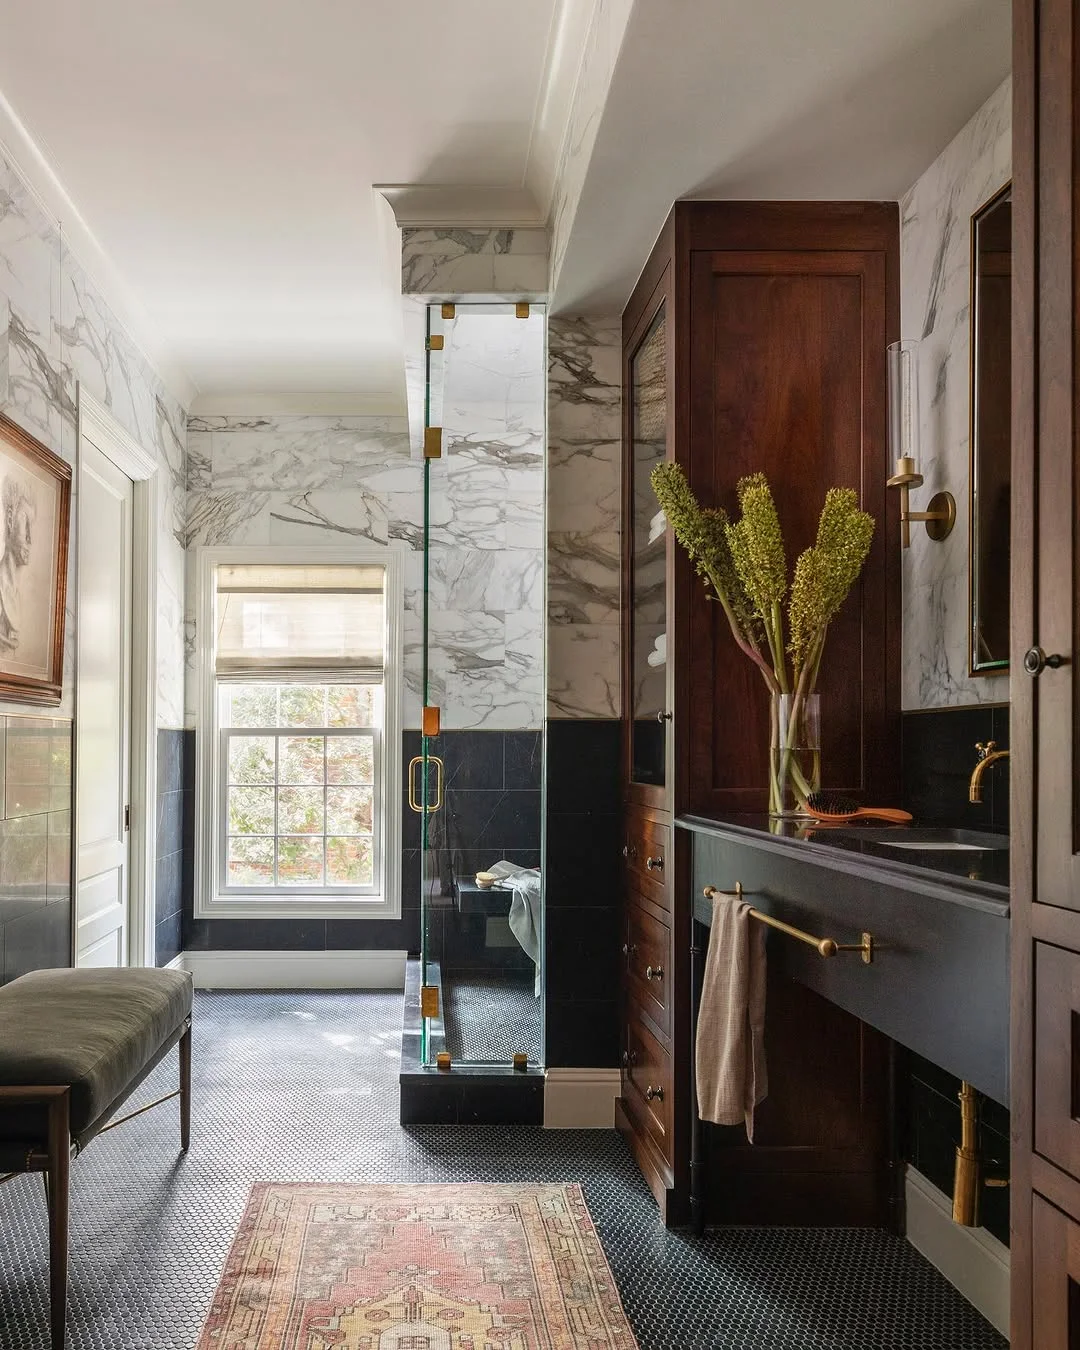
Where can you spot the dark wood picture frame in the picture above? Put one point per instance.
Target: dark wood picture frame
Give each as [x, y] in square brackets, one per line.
[30, 460]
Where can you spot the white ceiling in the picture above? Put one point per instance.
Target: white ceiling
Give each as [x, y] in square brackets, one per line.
[214, 160]
[759, 99]
[222, 154]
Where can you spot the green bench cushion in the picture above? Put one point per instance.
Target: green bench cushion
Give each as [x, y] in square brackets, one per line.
[95, 1030]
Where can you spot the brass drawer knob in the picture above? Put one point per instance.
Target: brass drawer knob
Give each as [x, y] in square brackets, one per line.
[654, 864]
[654, 1094]
[1036, 661]
[654, 972]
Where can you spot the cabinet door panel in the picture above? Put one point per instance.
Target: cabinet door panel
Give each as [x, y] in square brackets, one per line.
[788, 377]
[1056, 1292]
[1057, 1056]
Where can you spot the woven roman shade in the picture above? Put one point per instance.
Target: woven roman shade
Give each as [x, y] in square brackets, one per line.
[281, 621]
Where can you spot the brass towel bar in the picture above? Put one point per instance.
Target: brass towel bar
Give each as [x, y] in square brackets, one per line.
[823, 946]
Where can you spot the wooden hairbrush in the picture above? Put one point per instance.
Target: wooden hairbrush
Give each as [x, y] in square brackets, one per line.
[837, 809]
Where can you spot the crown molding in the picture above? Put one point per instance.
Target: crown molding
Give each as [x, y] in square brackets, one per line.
[30, 162]
[448, 205]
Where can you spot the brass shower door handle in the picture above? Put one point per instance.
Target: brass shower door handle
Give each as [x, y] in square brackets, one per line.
[440, 775]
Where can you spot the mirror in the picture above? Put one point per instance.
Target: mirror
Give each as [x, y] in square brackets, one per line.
[991, 476]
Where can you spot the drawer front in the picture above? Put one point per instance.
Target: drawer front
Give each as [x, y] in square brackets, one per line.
[647, 1084]
[1057, 1056]
[648, 966]
[646, 853]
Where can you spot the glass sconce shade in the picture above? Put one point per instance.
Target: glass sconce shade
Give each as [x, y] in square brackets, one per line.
[903, 384]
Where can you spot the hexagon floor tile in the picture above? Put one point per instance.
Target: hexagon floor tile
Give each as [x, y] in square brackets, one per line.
[303, 1087]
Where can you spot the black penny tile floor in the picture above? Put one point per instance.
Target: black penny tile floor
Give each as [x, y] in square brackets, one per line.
[303, 1087]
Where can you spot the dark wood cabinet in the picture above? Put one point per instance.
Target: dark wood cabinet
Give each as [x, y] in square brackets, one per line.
[1045, 715]
[754, 340]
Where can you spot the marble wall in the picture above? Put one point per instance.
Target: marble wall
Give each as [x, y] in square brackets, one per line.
[326, 481]
[584, 507]
[468, 264]
[935, 275]
[56, 331]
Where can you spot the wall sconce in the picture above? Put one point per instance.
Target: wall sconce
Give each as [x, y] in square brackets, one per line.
[903, 379]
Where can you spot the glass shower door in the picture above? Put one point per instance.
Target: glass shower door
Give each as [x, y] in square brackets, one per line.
[479, 768]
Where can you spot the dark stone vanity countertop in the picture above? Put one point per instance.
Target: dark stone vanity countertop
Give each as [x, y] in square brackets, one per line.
[976, 878]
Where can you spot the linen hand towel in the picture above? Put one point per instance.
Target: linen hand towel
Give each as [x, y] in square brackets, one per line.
[730, 1058]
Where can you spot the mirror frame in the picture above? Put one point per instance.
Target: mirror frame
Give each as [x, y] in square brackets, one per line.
[977, 668]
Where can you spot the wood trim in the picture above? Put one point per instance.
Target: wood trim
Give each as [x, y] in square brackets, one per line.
[20, 688]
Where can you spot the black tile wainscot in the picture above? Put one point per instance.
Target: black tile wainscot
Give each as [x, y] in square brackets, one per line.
[35, 844]
[582, 892]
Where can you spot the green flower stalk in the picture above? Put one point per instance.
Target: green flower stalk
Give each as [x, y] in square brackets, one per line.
[756, 542]
[704, 534]
[745, 563]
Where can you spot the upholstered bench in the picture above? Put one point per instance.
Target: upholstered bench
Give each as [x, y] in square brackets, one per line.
[74, 1045]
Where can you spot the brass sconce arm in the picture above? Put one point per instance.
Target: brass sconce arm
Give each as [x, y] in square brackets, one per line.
[939, 519]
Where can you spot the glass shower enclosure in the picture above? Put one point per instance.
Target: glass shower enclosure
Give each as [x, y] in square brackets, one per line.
[475, 779]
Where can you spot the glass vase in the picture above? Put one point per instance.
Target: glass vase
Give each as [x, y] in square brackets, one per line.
[794, 752]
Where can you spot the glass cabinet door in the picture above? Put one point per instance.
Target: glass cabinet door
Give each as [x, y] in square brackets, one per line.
[648, 572]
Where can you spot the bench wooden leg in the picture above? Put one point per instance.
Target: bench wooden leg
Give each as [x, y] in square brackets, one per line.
[185, 1090]
[59, 1158]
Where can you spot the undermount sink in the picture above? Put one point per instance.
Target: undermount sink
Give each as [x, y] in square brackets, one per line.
[937, 840]
[972, 854]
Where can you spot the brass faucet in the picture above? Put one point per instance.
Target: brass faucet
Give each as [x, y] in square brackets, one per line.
[988, 754]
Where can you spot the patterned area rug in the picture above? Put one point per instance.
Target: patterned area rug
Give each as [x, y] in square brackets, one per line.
[434, 1267]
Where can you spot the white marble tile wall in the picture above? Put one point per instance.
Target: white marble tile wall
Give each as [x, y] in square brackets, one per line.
[584, 487]
[935, 279]
[327, 480]
[57, 331]
[474, 263]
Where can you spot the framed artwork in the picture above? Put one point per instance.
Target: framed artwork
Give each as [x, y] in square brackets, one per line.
[35, 505]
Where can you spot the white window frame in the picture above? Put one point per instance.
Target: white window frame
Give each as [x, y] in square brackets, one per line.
[210, 902]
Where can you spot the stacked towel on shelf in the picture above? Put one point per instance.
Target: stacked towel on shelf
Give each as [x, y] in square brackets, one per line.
[524, 916]
[730, 1058]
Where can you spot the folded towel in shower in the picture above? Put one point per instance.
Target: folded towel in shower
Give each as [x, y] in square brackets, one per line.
[730, 1058]
[524, 917]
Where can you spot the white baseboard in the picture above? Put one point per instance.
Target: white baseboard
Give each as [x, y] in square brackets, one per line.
[296, 970]
[580, 1099]
[971, 1259]
[177, 963]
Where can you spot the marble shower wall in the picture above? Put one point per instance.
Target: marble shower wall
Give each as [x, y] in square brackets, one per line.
[326, 481]
[56, 330]
[935, 278]
[472, 264]
[584, 486]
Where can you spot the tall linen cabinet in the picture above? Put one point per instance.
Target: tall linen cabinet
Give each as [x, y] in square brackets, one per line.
[754, 340]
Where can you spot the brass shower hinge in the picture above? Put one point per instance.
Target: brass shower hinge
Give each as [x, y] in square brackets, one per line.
[521, 309]
[429, 1000]
[431, 721]
[433, 442]
[435, 342]
[449, 310]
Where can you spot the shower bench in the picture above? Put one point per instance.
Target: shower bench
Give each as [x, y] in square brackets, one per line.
[74, 1045]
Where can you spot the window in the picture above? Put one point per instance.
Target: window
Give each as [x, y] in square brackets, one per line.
[297, 785]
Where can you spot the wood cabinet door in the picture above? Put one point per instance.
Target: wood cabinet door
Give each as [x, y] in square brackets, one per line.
[1045, 430]
[1056, 1292]
[787, 377]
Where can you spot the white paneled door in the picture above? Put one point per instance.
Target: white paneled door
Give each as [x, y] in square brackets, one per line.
[103, 726]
